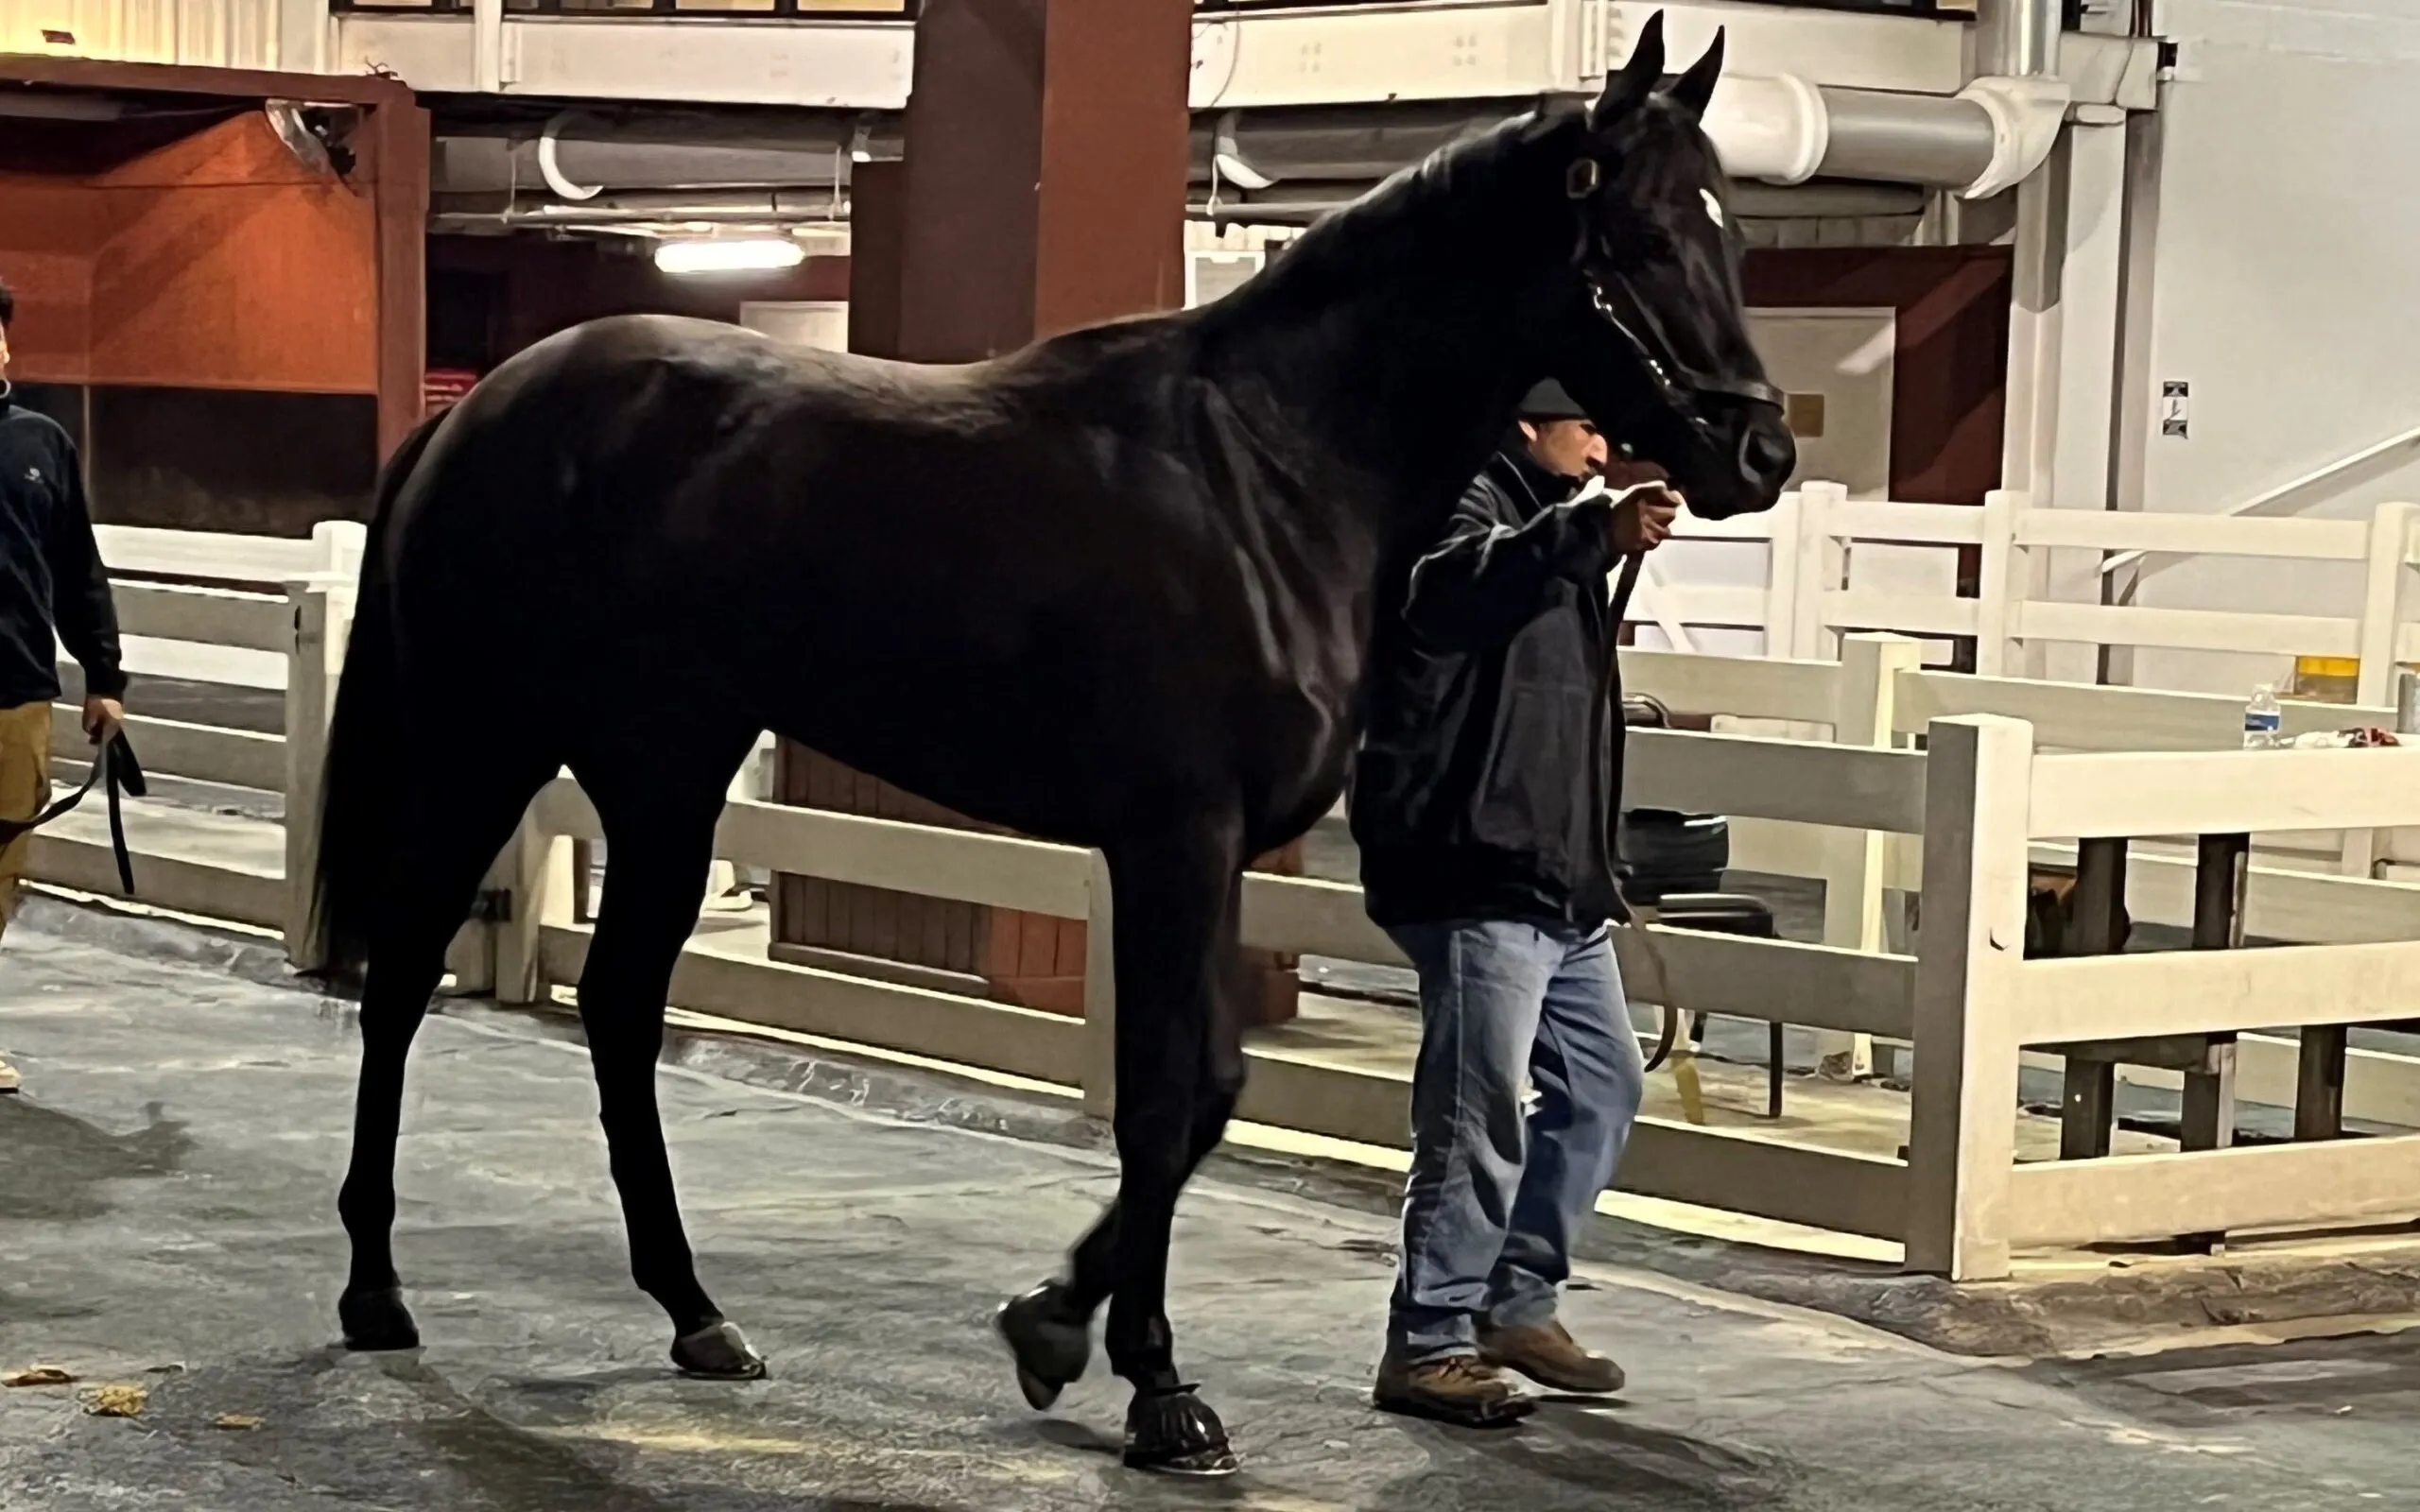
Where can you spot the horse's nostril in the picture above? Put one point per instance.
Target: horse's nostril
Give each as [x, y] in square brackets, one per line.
[1766, 454]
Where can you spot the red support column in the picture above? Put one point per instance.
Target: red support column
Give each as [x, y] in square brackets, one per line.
[1044, 188]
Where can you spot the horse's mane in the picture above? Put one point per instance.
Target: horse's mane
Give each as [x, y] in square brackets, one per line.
[1428, 217]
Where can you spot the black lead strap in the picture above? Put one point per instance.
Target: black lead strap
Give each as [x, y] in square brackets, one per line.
[1608, 710]
[115, 771]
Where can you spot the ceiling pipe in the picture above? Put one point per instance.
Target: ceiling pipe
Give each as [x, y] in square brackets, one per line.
[1987, 138]
[2017, 39]
[2017, 84]
[550, 168]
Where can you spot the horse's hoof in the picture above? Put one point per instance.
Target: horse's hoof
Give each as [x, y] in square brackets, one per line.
[1051, 1340]
[718, 1351]
[377, 1320]
[1175, 1432]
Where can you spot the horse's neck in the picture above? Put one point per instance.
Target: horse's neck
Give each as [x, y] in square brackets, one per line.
[1398, 396]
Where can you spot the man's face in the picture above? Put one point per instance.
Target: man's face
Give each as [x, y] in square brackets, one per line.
[1568, 448]
[4, 353]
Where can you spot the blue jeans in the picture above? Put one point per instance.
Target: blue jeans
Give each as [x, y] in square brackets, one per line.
[1495, 1197]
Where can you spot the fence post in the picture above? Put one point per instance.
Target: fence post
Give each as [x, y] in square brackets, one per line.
[1821, 564]
[1100, 992]
[341, 545]
[2382, 602]
[1856, 862]
[322, 608]
[2381, 627]
[1999, 587]
[531, 887]
[1962, 1147]
[1781, 576]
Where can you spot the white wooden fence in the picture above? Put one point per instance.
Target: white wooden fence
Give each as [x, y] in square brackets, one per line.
[1801, 597]
[291, 639]
[1959, 820]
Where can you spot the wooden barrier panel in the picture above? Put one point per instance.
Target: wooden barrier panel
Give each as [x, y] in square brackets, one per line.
[1876, 520]
[209, 554]
[2204, 535]
[1815, 987]
[2120, 997]
[997, 870]
[2224, 792]
[1852, 609]
[2189, 629]
[2157, 1196]
[1750, 687]
[1773, 981]
[2080, 717]
[969, 1031]
[170, 747]
[1812, 784]
[172, 882]
[249, 621]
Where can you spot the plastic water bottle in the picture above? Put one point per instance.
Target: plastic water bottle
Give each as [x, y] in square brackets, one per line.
[2262, 720]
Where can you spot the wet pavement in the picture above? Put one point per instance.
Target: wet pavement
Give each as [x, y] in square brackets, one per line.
[167, 1220]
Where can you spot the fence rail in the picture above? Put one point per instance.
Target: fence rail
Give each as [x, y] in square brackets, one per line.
[1962, 821]
[1804, 600]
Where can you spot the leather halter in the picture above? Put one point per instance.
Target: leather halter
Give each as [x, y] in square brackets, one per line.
[1618, 304]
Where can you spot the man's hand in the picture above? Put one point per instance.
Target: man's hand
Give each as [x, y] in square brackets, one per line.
[1643, 519]
[103, 718]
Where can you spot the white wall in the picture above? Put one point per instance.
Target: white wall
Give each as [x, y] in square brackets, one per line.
[208, 33]
[2287, 282]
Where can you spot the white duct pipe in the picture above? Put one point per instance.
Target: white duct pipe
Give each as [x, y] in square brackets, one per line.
[1787, 130]
[1777, 129]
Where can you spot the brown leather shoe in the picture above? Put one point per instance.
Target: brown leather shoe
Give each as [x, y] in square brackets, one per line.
[1548, 1356]
[1457, 1389]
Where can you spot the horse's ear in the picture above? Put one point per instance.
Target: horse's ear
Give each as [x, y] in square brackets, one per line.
[1696, 87]
[1628, 90]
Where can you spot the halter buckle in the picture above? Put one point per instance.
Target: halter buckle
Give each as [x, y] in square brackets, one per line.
[1582, 178]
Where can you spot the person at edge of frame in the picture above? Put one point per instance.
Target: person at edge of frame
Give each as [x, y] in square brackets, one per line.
[1483, 836]
[53, 592]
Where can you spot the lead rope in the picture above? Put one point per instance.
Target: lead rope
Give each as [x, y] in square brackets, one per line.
[115, 770]
[1608, 676]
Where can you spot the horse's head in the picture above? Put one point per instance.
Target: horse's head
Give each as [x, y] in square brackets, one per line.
[1655, 340]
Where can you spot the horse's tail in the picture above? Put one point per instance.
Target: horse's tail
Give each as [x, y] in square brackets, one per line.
[364, 743]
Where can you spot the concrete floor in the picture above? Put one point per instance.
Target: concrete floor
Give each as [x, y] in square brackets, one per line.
[166, 1219]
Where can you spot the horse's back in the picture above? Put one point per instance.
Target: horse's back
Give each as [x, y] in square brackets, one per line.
[913, 568]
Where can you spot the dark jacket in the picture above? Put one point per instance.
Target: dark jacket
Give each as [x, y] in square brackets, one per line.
[1472, 797]
[51, 578]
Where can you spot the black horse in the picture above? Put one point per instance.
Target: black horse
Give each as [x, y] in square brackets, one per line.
[1116, 590]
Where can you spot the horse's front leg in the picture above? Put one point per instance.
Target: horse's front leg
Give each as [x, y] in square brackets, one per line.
[1174, 903]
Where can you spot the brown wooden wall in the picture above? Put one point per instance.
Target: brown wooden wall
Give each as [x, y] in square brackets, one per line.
[233, 337]
[1949, 368]
[214, 261]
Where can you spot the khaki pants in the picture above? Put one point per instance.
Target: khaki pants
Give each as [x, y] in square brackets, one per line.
[25, 787]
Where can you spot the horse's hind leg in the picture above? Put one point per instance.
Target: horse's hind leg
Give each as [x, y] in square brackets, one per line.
[1175, 900]
[659, 811]
[451, 837]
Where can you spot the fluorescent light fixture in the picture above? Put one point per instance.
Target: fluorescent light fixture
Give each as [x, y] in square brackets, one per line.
[728, 255]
